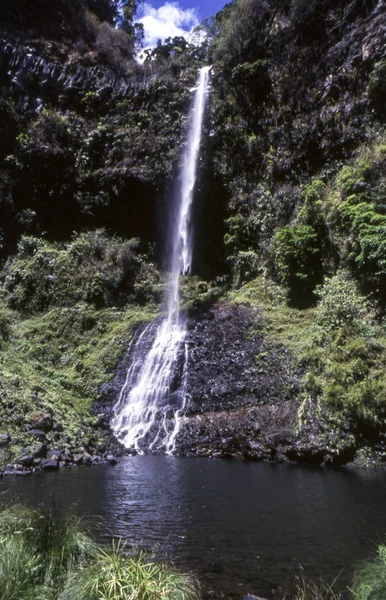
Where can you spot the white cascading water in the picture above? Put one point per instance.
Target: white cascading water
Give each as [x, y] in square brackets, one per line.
[148, 412]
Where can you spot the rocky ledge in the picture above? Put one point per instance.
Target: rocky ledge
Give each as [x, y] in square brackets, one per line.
[48, 439]
[244, 396]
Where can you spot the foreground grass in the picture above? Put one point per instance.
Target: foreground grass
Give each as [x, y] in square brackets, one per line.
[48, 559]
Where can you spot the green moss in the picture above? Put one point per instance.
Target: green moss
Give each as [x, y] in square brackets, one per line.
[55, 363]
[281, 323]
[338, 347]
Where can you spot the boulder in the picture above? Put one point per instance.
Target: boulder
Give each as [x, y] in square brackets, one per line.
[5, 440]
[54, 454]
[26, 461]
[40, 450]
[66, 457]
[78, 459]
[87, 460]
[45, 423]
[50, 464]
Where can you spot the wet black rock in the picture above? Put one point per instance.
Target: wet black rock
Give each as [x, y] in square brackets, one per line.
[78, 459]
[67, 458]
[54, 455]
[87, 459]
[14, 470]
[50, 464]
[40, 450]
[26, 460]
[230, 363]
[241, 389]
[5, 440]
[44, 423]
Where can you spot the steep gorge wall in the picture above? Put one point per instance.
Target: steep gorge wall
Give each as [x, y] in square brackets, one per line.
[114, 156]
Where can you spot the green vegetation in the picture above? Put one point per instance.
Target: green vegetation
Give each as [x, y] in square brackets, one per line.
[94, 268]
[341, 351]
[67, 313]
[54, 364]
[297, 256]
[347, 355]
[370, 578]
[46, 558]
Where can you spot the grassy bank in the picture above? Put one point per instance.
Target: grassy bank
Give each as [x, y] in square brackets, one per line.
[63, 329]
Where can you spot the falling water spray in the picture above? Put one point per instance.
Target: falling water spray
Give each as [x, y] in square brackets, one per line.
[148, 413]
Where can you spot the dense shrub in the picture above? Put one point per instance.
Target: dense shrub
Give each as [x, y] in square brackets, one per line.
[94, 268]
[340, 305]
[5, 325]
[363, 222]
[345, 360]
[297, 256]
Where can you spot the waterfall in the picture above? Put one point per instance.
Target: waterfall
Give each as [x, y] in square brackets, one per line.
[148, 413]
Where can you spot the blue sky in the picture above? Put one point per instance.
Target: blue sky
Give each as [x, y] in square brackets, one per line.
[162, 19]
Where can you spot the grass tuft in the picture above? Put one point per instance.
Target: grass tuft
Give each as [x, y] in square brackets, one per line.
[306, 589]
[115, 575]
[370, 578]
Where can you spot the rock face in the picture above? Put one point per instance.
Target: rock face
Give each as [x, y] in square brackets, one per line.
[33, 76]
[241, 390]
[231, 366]
[243, 396]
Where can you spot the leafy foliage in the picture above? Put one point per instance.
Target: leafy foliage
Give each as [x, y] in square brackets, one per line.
[94, 268]
[345, 360]
[370, 578]
[115, 576]
[298, 258]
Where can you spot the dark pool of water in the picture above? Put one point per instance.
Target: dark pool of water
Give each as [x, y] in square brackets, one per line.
[242, 527]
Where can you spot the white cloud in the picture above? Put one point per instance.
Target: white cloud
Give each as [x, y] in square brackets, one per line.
[169, 20]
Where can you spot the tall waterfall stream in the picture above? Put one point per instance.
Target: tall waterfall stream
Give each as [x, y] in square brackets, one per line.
[148, 412]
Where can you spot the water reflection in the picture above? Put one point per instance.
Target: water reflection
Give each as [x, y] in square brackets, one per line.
[243, 527]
